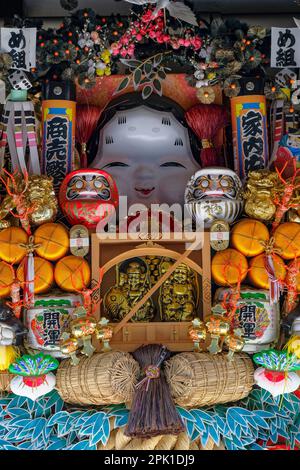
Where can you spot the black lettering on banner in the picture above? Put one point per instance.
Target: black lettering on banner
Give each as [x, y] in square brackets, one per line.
[247, 321]
[252, 137]
[51, 328]
[17, 40]
[285, 55]
[57, 148]
[17, 44]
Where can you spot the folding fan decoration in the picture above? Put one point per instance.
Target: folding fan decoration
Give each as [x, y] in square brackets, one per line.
[278, 372]
[33, 375]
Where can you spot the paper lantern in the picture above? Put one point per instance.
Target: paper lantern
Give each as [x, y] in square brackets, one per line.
[11, 240]
[43, 275]
[258, 275]
[53, 241]
[287, 239]
[72, 273]
[6, 279]
[248, 236]
[229, 267]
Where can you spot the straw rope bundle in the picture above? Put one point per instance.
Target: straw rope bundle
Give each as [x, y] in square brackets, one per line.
[201, 379]
[118, 441]
[103, 379]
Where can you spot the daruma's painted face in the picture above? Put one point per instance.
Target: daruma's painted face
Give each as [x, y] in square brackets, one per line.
[148, 154]
[88, 186]
[214, 193]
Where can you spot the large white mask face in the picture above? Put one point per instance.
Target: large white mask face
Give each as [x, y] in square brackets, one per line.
[148, 154]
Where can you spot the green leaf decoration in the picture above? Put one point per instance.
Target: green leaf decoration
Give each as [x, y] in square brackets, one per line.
[147, 91]
[162, 74]
[157, 60]
[137, 76]
[123, 85]
[33, 366]
[132, 63]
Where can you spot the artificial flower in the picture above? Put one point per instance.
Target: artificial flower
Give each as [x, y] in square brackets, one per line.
[206, 95]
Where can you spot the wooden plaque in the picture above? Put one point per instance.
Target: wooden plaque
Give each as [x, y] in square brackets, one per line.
[107, 253]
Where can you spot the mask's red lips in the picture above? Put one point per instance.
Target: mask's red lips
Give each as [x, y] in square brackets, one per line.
[145, 191]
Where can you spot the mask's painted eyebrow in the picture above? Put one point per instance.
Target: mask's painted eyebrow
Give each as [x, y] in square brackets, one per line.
[173, 164]
[110, 165]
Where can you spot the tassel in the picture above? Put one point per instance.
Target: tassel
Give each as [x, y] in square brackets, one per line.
[274, 282]
[87, 118]
[206, 120]
[153, 412]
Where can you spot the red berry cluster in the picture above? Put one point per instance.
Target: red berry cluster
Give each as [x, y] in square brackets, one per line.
[152, 27]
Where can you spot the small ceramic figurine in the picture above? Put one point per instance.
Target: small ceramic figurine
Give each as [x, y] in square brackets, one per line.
[212, 194]
[132, 284]
[178, 296]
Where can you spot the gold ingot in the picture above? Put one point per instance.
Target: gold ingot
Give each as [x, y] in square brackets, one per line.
[218, 325]
[83, 327]
[287, 240]
[72, 273]
[258, 275]
[248, 237]
[229, 267]
[43, 275]
[69, 346]
[10, 240]
[6, 279]
[53, 241]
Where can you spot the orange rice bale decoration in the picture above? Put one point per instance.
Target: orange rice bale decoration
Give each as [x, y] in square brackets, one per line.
[72, 273]
[43, 275]
[248, 237]
[287, 239]
[289, 275]
[53, 240]
[258, 275]
[229, 267]
[7, 276]
[10, 240]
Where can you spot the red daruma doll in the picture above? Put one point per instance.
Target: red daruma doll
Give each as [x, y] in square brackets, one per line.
[88, 196]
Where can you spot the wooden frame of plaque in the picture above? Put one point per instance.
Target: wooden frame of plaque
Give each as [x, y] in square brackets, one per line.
[188, 248]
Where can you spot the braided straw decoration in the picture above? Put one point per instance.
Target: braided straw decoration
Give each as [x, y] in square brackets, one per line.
[103, 379]
[201, 379]
[118, 441]
[195, 379]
